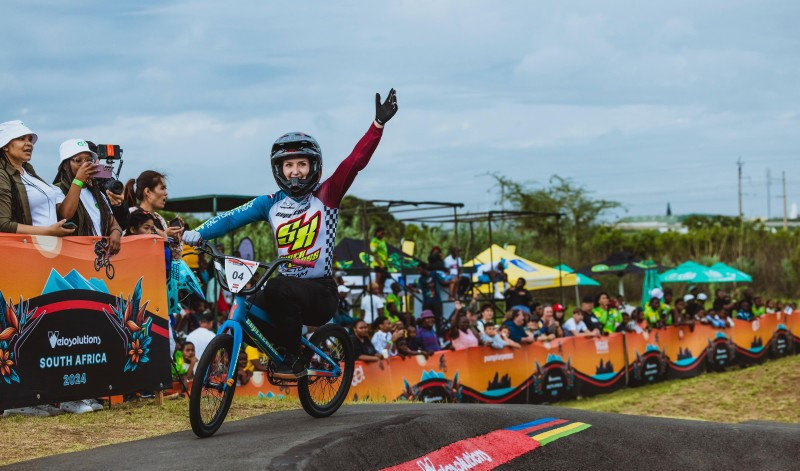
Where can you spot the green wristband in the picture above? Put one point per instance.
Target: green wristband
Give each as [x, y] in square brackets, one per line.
[78, 183]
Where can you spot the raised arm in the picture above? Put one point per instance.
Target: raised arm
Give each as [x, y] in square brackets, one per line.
[334, 188]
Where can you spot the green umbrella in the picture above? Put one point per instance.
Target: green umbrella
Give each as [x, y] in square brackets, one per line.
[651, 281]
[740, 276]
[583, 280]
[692, 272]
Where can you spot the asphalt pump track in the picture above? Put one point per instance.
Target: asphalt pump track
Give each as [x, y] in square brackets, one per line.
[377, 436]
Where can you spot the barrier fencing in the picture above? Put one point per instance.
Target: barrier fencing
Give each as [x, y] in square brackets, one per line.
[75, 324]
[566, 367]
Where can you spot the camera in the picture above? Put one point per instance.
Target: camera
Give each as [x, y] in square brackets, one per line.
[106, 176]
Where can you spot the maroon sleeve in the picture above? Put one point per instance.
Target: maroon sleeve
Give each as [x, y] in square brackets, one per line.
[333, 189]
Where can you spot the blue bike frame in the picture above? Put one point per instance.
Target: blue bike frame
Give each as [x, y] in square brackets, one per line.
[239, 324]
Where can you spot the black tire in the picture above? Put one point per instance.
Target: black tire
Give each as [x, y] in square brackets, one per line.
[109, 271]
[322, 396]
[205, 393]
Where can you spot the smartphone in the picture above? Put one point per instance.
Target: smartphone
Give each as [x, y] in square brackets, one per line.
[70, 225]
[104, 171]
[176, 222]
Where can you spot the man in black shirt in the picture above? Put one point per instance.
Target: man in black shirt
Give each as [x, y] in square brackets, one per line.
[362, 344]
[518, 297]
[591, 320]
[722, 301]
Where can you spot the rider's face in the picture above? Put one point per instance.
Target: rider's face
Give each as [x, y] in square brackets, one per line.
[296, 168]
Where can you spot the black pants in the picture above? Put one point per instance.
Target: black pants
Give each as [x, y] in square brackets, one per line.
[294, 302]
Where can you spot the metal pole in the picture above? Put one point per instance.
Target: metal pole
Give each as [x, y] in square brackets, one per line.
[785, 213]
[558, 249]
[365, 228]
[491, 260]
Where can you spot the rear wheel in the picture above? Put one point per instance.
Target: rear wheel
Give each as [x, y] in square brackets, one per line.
[210, 400]
[321, 396]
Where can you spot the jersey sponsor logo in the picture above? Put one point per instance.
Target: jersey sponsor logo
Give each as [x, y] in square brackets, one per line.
[298, 234]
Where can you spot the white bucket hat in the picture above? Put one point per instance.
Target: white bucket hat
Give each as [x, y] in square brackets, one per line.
[656, 293]
[11, 130]
[72, 147]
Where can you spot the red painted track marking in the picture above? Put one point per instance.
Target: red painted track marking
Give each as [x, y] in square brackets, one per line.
[475, 454]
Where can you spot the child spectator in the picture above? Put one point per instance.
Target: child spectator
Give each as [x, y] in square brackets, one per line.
[406, 343]
[491, 338]
[575, 327]
[243, 373]
[549, 329]
[505, 334]
[383, 339]
[413, 341]
[558, 314]
[185, 362]
[745, 312]
[202, 336]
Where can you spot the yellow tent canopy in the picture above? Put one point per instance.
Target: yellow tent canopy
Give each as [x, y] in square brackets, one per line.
[536, 276]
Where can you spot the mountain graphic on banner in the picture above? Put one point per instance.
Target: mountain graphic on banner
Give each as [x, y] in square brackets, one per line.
[73, 280]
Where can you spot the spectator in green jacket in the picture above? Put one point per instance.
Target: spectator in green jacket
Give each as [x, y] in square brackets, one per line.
[608, 316]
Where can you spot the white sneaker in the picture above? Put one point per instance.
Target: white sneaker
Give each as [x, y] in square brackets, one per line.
[32, 410]
[76, 407]
[50, 409]
[94, 404]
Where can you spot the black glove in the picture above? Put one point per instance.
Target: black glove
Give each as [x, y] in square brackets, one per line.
[385, 111]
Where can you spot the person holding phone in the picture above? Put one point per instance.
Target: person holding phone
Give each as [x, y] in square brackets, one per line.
[149, 192]
[85, 204]
[28, 204]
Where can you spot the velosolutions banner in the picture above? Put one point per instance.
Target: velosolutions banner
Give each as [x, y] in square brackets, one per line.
[75, 324]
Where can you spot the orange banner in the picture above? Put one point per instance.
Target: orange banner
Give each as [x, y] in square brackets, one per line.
[77, 323]
[564, 368]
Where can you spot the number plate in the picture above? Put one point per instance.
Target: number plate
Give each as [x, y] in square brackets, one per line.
[238, 272]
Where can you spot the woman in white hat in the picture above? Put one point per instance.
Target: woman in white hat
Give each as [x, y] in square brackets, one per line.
[28, 205]
[85, 203]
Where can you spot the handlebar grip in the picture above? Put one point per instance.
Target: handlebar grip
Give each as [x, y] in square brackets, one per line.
[304, 263]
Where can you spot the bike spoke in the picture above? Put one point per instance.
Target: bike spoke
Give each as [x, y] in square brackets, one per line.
[323, 388]
[214, 387]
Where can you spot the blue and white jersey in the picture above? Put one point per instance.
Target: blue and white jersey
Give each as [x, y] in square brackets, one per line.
[304, 228]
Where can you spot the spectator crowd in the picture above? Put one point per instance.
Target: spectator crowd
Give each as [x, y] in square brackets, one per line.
[82, 200]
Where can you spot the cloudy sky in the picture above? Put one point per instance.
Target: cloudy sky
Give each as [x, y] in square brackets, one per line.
[641, 103]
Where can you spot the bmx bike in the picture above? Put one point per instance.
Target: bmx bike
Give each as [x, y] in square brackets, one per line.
[328, 354]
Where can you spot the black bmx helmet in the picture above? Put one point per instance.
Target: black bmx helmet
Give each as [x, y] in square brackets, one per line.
[293, 145]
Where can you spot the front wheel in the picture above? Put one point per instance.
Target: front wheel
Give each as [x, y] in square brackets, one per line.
[321, 396]
[210, 400]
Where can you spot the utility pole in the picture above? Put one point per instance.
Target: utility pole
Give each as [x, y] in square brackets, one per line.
[785, 213]
[769, 197]
[739, 164]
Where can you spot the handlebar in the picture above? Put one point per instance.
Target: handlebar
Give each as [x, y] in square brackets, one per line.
[218, 257]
